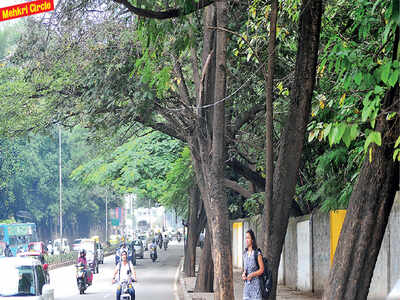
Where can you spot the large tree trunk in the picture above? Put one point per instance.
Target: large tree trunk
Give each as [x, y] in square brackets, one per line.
[368, 212]
[205, 278]
[268, 77]
[197, 221]
[217, 206]
[217, 214]
[208, 147]
[292, 137]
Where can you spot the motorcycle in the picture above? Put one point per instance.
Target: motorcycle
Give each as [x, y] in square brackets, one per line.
[81, 278]
[178, 238]
[125, 286]
[92, 262]
[153, 252]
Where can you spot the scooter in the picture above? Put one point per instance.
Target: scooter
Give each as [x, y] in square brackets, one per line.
[153, 252]
[125, 285]
[81, 278]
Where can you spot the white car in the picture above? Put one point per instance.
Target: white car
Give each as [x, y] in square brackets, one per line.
[23, 278]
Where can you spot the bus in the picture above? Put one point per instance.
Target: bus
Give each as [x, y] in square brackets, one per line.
[143, 226]
[18, 235]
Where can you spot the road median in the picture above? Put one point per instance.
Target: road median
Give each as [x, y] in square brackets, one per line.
[67, 259]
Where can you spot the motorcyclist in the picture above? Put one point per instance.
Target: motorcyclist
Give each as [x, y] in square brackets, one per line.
[131, 251]
[119, 252]
[153, 245]
[125, 272]
[123, 248]
[160, 239]
[7, 251]
[82, 260]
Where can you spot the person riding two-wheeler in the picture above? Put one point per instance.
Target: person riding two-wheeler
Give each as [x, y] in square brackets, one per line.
[153, 246]
[123, 248]
[124, 271]
[82, 260]
[160, 239]
[153, 250]
[7, 251]
[119, 252]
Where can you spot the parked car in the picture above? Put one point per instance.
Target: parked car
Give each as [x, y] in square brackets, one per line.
[139, 248]
[24, 277]
[100, 253]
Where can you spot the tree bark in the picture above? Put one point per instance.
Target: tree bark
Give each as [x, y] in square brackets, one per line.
[217, 206]
[205, 278]
[293, 134]
[368, 212]
[197, 221]
[269, 127]
[207, 146]
[238, 188]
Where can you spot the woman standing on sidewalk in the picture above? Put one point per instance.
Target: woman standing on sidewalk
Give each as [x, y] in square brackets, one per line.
[252, 270]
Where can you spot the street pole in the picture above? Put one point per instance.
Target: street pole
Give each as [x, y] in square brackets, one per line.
[131, 197]
[184, 242]
[60, 173]
[106, 216]
[149, 215]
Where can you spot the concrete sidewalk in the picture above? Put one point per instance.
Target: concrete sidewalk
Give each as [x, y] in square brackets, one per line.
[186, 287]
[284, 293]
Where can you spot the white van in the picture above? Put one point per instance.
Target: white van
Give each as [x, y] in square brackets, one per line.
[61, 247]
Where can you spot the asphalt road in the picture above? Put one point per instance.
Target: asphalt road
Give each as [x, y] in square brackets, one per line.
[156, 281]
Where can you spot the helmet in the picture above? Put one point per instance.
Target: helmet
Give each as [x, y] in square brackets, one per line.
[82, 252]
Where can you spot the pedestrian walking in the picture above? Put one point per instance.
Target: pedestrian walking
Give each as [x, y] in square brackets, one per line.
[251, 271]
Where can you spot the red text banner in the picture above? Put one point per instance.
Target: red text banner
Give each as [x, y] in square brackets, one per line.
[26, 9]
